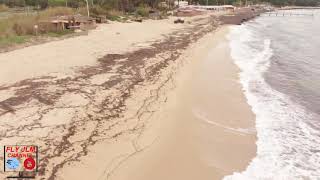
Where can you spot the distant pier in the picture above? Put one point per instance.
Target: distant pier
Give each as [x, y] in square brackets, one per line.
[282, 14]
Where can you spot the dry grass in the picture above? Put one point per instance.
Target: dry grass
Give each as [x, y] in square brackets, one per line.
[114, 12]
[56, 11]
[18, 29]
[111, 14]
[3, 8]
[114, 15]
[24, 24]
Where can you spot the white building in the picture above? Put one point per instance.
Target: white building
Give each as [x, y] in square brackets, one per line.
[181, 3]
[214, 8]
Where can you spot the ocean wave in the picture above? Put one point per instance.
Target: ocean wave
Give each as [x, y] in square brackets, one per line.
[287, 146]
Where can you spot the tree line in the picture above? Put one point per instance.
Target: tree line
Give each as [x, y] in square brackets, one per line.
[272, 2]
[108, 4]
[295, 2]
[127, 5]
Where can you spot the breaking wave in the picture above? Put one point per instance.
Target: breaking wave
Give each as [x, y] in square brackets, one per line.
[287, 145]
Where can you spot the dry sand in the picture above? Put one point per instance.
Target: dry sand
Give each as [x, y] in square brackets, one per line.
[129, 101]
[62, 57]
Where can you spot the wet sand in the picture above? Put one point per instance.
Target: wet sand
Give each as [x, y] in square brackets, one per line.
[206, 128]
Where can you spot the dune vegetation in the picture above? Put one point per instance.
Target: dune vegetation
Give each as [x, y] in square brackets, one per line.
[19, 17]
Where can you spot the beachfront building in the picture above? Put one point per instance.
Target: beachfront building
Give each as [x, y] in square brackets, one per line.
[214, 8]
[193, 10]
[180, 3]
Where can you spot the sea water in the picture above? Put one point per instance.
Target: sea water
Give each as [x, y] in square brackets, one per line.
[279, 59]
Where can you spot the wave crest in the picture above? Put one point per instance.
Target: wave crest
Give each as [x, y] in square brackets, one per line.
[287, 146]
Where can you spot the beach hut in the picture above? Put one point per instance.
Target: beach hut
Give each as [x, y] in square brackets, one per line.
[60, 23]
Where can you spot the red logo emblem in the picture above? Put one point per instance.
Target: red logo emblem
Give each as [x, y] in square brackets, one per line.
[29, 163]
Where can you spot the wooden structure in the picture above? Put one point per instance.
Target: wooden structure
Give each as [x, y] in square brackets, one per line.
[60, 23]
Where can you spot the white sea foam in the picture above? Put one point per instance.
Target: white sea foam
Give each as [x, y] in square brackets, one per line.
[202, 116]
[288, 147]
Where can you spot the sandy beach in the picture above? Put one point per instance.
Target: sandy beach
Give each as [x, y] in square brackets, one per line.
[155, 100]
[205, 130]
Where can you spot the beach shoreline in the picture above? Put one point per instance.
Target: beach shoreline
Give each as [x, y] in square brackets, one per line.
[204, 121]
[104, 111]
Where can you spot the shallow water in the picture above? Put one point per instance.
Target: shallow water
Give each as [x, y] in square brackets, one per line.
[280, 74]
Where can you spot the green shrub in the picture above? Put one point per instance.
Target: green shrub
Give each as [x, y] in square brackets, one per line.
[56, 3]
[15, 3]
[98, 10]
[59, 33]
[142, 11]
[6, 41]
[114, 15]
[109, 4]
[76, 3]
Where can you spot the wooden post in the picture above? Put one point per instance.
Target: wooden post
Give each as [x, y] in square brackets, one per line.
[88, 8]
[36, 29]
